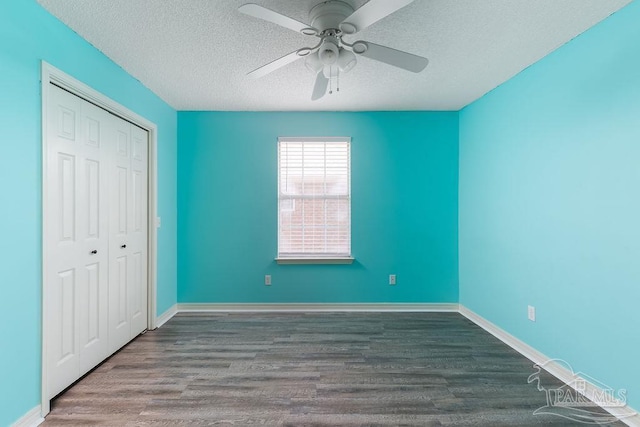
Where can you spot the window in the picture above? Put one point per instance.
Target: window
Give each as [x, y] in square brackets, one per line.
[314, 200]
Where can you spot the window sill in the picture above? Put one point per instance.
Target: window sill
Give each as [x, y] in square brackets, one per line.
[315, 260]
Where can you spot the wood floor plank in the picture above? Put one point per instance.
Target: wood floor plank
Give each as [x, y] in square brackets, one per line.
[310, 369]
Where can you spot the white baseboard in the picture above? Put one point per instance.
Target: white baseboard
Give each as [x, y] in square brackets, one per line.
[32, 418]
[624, 413]
[167, 315]
[317, 307]
[513, 342]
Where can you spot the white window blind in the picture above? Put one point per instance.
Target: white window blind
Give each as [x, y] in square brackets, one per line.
[314, 197]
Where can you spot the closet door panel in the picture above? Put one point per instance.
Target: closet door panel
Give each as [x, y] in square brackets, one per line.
[137, 236]
[93, 233]
[120, 223]
[75, 243]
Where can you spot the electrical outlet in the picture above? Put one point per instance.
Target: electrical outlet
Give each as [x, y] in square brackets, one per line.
[531, 313]
[267, 279]
[392, 279]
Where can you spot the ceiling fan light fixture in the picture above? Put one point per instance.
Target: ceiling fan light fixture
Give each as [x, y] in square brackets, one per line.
[328, 52]
[346, 60]
[313, 62]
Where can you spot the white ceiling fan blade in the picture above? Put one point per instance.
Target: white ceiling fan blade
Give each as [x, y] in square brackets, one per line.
[274, 65]
[369, 13]
[320, 87]
[397, 58]
[269, 15]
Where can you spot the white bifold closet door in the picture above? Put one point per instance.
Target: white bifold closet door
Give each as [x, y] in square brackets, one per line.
[128, 235]
[95, 237]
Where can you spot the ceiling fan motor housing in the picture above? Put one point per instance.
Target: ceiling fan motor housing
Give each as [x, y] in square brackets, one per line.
[329, 14]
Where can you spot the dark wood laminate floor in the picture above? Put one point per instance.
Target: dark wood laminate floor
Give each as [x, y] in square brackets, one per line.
[297, 369]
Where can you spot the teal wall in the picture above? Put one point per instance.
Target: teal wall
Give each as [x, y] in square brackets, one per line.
[28, 34]
[550, 203]
[404, 208]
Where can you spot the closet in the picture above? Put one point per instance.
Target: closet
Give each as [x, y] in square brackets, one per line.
[95, 239]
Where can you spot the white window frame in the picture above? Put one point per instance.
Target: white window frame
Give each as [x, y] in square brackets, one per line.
[314, 258]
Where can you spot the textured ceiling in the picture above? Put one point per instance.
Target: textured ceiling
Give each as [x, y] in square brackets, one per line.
[195, 54]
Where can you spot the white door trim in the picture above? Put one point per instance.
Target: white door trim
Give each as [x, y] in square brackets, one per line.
[51, 74]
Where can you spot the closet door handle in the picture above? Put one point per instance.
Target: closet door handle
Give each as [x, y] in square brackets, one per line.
[93, 252]
[123, 246]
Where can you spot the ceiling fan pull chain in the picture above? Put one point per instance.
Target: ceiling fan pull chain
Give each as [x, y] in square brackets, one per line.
[338, 80]
[330, 80]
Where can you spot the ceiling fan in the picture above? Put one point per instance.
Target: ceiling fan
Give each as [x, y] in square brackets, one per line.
[330, 21]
